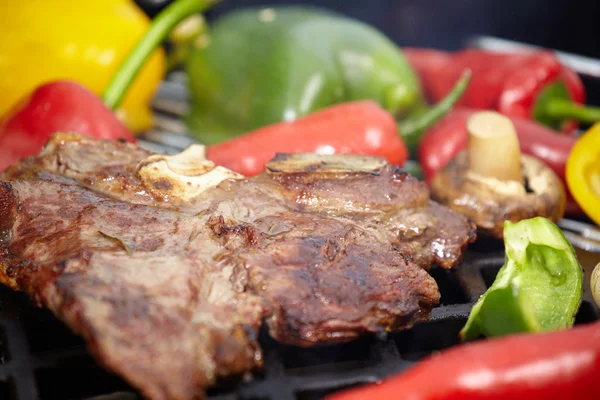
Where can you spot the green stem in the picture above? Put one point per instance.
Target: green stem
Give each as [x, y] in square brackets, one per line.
[412, 130]
[414, 169]
[566, 109]
[161, 26]
[553, 106]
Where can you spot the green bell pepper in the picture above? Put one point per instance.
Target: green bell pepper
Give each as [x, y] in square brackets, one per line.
[260, 66]
[539, 288]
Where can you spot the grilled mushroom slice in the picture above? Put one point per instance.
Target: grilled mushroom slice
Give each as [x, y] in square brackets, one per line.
[492, 182]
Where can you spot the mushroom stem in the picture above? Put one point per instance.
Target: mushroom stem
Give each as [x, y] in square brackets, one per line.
[493, 147]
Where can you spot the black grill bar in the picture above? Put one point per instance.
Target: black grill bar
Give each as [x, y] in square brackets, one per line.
[20, 367]
[452, 311]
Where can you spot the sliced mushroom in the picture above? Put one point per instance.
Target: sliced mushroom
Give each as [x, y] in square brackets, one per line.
[324, 163]
[491, 182]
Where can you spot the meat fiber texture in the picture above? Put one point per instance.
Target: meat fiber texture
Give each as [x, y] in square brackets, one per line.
[170, 291]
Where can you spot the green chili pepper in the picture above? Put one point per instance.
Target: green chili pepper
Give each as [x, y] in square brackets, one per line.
[261, 66]
[539, 288]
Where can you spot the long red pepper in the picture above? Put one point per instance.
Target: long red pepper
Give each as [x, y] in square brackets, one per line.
[360, 127]
[69, 107]
[532, 85]
[448, 137]
[552, 366]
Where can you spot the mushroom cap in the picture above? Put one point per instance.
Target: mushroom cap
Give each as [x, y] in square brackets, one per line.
[489, 202]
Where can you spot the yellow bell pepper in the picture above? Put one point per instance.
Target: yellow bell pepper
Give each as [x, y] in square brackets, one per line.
[84, 41]
[583, 172]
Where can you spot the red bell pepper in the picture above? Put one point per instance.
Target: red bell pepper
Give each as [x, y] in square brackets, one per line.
[56, 106]
[448, 137]
[360, 127]
[532, 85]
[551, 366]
[69, 107]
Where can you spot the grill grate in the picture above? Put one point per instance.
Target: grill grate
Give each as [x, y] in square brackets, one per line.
[40, 359]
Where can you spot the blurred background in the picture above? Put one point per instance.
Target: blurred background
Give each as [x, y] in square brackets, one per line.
[568, 25]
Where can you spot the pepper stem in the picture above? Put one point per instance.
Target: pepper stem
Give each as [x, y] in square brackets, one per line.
[567, 109]
[412, 129]
[161, 26]
[554, 106]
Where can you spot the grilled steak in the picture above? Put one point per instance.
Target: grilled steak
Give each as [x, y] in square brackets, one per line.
[167, 266]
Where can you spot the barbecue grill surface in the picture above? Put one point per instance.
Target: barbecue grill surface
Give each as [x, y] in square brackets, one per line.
[40, 359]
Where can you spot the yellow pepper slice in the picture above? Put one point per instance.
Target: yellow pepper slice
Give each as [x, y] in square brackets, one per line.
[583, 172]
[84, 41]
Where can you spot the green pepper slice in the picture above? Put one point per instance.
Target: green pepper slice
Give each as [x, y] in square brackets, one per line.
[539, 288]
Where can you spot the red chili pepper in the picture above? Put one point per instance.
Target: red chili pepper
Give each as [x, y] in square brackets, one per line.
[69, 107]
[532, 85]
[58, 106]
[448, 137]
[360, 127]
[551, 366]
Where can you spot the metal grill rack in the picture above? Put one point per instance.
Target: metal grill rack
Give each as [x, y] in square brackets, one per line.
[41, 359]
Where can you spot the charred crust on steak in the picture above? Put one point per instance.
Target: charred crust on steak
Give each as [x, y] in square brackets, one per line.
[8, 211]
[229, 230]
